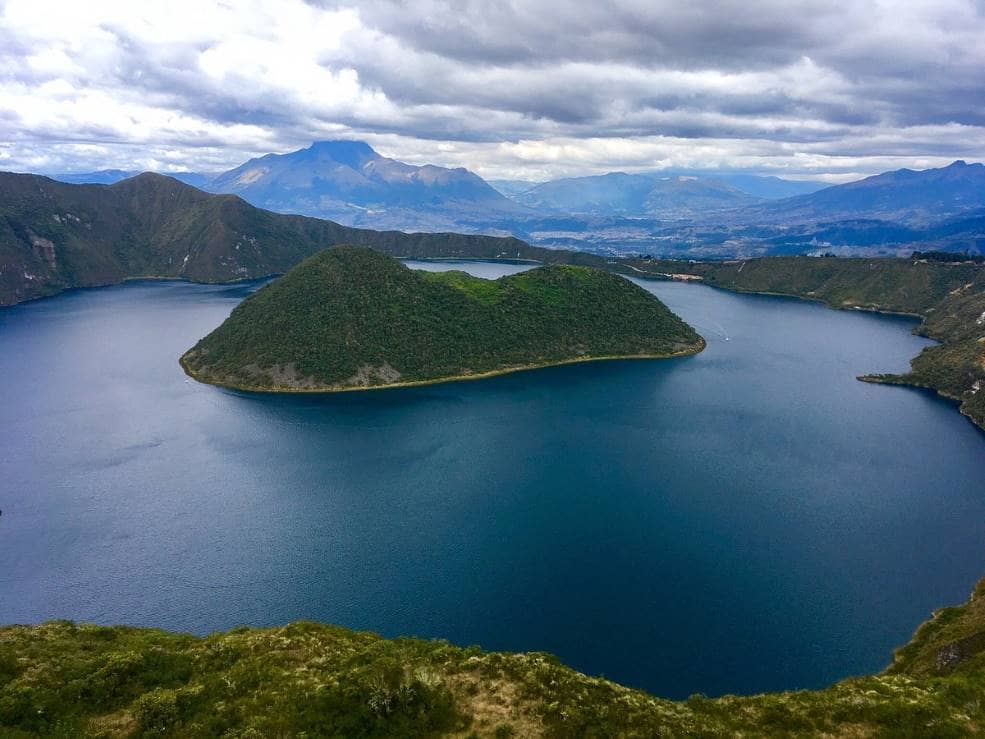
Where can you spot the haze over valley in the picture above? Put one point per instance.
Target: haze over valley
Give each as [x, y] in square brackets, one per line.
[663, 214]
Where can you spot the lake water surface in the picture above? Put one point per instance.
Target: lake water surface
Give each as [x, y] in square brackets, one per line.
[748, 519]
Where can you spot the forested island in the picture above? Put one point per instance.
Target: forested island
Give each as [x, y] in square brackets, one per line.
[352, 318]
[947, 291]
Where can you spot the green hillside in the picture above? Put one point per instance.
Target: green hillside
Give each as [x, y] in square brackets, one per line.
[311, 680]
[350, 317]
[55, 236]
[949, 296]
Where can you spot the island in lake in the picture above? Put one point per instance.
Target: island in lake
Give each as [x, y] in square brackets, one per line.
[352, 318]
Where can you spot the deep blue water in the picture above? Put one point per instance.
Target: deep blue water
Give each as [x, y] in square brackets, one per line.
[751, 518]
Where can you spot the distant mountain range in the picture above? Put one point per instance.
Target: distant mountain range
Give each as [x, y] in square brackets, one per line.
[635, 195]
[770, 187]
[111, 176]
[904, 196]
[657, 212]
[349, 182]
[687, 191]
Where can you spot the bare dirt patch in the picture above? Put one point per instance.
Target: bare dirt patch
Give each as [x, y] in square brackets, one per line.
[494, 703]
[369, 375]
[281, 376]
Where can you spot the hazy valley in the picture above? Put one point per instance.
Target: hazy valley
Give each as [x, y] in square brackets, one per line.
[663, 214]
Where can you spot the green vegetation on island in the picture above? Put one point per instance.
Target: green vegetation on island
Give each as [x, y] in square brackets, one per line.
[350, 318]
[948, 295]
[310, 680]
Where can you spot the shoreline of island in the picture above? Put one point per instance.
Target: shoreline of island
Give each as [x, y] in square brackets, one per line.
[330, 390]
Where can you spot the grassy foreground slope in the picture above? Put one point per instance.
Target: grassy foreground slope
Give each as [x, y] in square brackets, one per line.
[350, 317]
[55, 236]
[950, 297]
[312, 680]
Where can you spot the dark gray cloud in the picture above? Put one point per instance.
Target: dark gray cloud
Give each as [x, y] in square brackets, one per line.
[907, 66]
[723, 34]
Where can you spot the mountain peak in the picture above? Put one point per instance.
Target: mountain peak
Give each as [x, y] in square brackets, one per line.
[147, 179]
[149, 176]
[348, 181]
[973, 169]
[344, 151]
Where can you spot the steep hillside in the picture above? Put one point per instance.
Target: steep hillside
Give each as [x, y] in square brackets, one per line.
[55, 236]
[306, 679]
[351, 318]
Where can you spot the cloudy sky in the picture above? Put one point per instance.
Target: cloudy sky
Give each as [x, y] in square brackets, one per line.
[528, 89]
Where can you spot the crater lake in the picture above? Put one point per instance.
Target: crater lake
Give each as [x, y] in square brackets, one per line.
[752, 518]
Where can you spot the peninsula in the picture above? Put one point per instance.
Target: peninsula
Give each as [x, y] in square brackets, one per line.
[352, 318]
